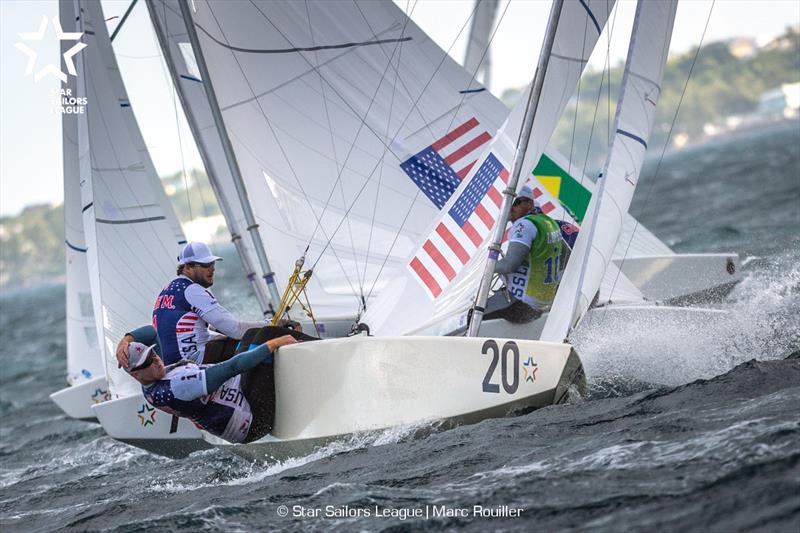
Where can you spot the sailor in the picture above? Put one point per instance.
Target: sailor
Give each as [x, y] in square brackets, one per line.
[533, 264]
[234, 400]
[186, 307]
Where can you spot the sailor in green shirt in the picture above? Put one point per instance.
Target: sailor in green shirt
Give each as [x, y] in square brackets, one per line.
[533, 263]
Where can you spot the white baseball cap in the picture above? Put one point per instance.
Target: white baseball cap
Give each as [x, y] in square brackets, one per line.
[197, 252]
[526, 192]
[137, 355]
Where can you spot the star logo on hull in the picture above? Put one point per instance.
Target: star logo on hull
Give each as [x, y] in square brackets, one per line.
[529, 369]
[100, 396]
[49, 68]
[147, 415]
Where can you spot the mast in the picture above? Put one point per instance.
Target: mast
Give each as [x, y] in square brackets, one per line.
[477, 58]
[260, 290]
[519, 156]
[252, 226]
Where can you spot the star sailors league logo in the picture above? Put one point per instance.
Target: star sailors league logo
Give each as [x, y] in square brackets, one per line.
[49, 68]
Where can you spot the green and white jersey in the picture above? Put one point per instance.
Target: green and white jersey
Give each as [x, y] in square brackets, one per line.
[536, 281]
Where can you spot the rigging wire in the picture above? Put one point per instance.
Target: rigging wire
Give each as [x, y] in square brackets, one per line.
[577, 104]
[385, 147]
[397, 78]
[606, 69]
[362, 123]
[339, 169]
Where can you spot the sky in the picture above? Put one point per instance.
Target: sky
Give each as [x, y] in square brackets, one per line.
[30, 132]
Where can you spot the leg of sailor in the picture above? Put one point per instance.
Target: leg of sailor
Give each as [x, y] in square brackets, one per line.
[258, 384]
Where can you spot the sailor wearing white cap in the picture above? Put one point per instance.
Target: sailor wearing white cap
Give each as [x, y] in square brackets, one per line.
[184, 310]
[533, 262]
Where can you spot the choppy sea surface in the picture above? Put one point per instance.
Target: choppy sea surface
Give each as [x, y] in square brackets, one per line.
[693, 427]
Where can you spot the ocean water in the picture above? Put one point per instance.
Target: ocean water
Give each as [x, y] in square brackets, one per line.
[693, 428]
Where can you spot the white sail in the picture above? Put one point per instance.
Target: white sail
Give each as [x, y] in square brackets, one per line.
[83, 357]
[171, 32]
[639, 93]
[132, 234]
[330, 108]
[442, 274]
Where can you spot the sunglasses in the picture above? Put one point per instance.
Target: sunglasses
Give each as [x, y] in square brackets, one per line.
[204, 265]
[151, 358]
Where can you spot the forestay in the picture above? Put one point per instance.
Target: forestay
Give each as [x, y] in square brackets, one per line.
[338, 112]
[84, 361]
[442, 274]
[639, 93]
[132, 234]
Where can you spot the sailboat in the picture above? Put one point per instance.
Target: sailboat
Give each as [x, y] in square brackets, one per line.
[131, 232]
[86, 377]
[275, 134]
[408, 378]
[108, 177]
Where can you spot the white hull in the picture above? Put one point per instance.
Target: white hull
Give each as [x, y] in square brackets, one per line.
[77, 400]
[682, 278]
[134, 421]
[328, 390]
[331, 389]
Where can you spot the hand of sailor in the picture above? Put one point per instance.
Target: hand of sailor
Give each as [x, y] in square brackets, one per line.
[122, 351]
[274, 344]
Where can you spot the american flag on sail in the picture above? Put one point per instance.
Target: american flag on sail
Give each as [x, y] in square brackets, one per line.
[439, 168]
[463, 229]
[470, 219]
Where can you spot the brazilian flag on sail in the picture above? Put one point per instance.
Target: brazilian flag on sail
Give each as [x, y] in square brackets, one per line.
[570, 193]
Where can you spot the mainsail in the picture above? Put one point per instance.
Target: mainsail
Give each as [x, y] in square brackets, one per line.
[442, 275]
[639, 93]
[188, 82]
[338, 113]
[132, 234]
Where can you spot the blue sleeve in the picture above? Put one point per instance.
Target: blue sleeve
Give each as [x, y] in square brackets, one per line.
[146, 335]
[218, 374]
